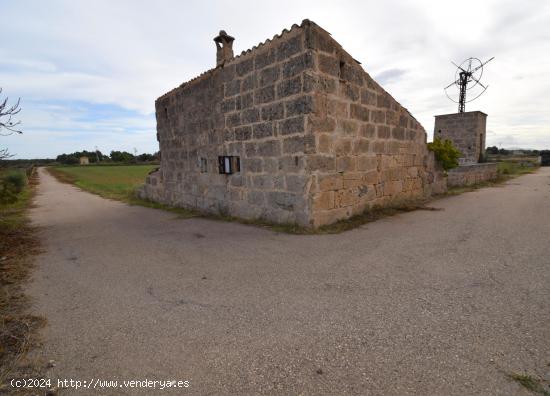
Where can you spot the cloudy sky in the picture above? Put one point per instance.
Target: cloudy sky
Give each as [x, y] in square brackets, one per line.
[88, 72]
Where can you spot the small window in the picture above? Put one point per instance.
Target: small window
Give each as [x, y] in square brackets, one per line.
[203, 163]
[166, 112]
[229, 164]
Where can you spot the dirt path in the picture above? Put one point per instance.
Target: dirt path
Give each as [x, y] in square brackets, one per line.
[428, 302]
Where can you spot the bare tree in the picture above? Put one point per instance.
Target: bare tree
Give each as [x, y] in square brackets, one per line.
[7, 125]
[4, 154]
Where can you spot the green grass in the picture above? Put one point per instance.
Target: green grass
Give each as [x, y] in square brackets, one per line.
[110, 181]
[118, 182]
[12, 215]
[509, 168]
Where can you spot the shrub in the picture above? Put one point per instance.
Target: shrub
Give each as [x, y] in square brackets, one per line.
[7, 194]
[30, 171]
[445, 153]
[11, 185]
[16, 180]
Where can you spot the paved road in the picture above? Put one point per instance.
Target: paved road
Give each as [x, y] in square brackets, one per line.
[425, 303]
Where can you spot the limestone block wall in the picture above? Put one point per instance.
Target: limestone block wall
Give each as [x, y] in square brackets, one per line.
[369, 150]
[467, 132]
[466, 175]
[253, 107]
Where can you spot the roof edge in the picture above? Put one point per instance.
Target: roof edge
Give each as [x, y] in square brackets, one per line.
[293, 28]
[465, 112]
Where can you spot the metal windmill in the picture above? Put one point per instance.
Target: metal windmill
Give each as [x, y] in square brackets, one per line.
[469, 71]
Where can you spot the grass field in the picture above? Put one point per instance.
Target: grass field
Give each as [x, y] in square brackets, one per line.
[115, 182]
[118, 182]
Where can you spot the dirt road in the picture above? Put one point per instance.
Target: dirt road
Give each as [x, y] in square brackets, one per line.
[428, 303]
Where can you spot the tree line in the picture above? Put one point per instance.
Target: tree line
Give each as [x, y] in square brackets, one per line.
[97, 157]
[495, 150]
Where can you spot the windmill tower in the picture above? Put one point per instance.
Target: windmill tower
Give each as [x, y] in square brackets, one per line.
[467, 130]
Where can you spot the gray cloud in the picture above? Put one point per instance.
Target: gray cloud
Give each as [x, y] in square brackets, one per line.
[390, 76]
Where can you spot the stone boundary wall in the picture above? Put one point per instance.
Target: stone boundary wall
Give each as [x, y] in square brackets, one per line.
[467, 175]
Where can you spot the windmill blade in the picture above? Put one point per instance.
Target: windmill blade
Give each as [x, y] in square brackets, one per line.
[451, 99]
[458, 67]
[477, 81]
[448, 86]
[482, 92]
[483, 64]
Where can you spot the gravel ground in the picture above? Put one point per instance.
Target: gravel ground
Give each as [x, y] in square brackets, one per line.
[424, 303]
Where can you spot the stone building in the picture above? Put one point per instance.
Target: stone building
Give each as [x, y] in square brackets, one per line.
[84, 160]
[467, 132]
[290, 131]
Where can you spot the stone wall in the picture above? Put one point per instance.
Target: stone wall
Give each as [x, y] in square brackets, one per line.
[370, 151]
[253, 107]
[467, 175]
[466, 131]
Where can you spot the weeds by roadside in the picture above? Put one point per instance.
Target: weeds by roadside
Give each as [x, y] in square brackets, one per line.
[18, 242]
[531, 383]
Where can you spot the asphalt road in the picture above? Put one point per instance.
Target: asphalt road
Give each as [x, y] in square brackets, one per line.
[424, 303]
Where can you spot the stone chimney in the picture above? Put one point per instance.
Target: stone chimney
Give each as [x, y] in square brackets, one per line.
[224, 47]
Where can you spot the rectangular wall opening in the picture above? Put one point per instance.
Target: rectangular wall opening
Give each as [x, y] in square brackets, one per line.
[229, 164]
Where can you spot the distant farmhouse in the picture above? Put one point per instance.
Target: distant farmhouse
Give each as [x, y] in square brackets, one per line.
[290, 131]
[84, 160]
